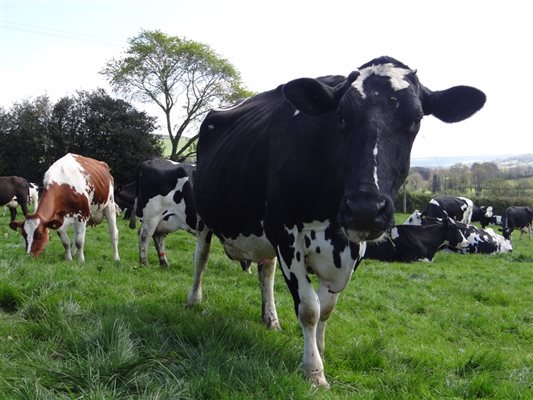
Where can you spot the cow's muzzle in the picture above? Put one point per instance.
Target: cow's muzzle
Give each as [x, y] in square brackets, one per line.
[366, 215]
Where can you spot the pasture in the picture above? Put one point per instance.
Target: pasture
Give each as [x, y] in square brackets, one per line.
[460, 327]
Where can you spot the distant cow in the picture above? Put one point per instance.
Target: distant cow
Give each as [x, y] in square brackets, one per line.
[482, 241]
[14, 192]
[483, 215]
[408, 243]
[163, 200]
[458, 208]
[307, 172]
[517, 217]
[77, 191]
[414, 219]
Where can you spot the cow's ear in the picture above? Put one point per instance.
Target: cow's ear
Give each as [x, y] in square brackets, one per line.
[16, 225]
[310, 96]
[454, 104]
[54, 224]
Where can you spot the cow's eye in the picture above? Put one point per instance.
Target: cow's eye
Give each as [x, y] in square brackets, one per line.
[415, 125]
[341, 121]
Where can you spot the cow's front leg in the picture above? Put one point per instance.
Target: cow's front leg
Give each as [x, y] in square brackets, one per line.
[266, 270]
[307, 307]
[65, 241]
[201, 253]
[327, 300]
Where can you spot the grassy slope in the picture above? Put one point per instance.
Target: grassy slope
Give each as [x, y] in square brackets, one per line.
[460, 327]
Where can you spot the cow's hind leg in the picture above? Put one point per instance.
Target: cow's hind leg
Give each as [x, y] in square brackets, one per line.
[266, 270]
[80, 228]
[110, 213]
[159, 242]
[201, 253]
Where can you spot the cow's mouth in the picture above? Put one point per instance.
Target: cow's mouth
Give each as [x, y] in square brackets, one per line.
[358, 236]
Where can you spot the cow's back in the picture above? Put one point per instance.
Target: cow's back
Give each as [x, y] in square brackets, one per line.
[87, 177]
[231, 177]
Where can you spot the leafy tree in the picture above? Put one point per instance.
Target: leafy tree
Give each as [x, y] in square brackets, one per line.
[112, 130]
[25, 133]
[36, 133]
[184, 78]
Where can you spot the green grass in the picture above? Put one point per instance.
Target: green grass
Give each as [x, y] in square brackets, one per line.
[460, 327]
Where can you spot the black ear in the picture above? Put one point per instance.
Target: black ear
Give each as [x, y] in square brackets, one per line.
[310, 96]
[454, 104]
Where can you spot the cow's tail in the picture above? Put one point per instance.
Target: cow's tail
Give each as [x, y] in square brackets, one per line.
[133, 216]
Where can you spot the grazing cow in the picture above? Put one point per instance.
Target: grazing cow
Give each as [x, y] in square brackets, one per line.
[14, 192]
[414, 219]
[458, 208]
[162, 198]
[77, 191]
[33, 198]
[164, 201]
[483, 215]
[408, 243]
[517, 217]
[125, 197]
[307, 172]
[482, 241]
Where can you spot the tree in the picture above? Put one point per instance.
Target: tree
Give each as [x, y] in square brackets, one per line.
[25, 134]
[35, 133]
[171, 71]
[99, 126]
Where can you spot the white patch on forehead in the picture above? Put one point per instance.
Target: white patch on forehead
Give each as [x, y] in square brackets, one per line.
[394, 233]
[296, 112]
[67, 171]
[375, 153]
[396, 76]
[30, 225]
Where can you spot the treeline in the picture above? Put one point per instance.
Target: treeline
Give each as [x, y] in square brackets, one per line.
[485, 183]
[35, 133]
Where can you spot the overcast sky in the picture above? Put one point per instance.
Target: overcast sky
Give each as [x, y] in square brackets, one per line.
[56, 47]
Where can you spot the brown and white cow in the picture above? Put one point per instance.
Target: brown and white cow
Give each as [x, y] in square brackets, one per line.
[77, 191]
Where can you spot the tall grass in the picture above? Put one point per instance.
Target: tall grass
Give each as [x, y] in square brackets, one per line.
[460, 327]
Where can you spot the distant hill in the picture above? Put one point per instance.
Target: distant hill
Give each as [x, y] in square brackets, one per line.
[507, 160]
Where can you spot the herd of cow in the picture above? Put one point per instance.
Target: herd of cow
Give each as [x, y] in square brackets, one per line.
[303, 174]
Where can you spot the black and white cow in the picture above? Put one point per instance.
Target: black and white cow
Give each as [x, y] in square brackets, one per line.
[307, 172]
[410, 242]
[484, 215]
[164, 201]
[14, 192]
[517, 217]
[482, 241]
[458, 208]
[414, 219]
[125, 197]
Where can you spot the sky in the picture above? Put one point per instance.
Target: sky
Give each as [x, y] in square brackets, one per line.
[56, 47]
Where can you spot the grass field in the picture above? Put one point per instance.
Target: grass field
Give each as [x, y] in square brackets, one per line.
[460, 327]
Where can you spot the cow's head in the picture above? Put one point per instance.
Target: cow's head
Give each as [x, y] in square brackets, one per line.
[35, 233]
[379, 109]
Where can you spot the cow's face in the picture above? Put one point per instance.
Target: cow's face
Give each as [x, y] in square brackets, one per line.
[379, 109]
[453, 235]
[36, 235]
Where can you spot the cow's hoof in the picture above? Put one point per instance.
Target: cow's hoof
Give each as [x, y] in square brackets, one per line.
[193, 299]
[318, 379]
[272, 324]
